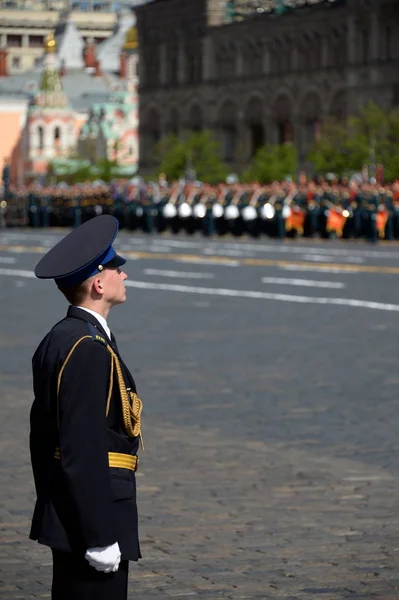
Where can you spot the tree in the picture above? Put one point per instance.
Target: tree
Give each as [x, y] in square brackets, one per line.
[170, 153]
[199, 152]
[369, 138]
[272, 163]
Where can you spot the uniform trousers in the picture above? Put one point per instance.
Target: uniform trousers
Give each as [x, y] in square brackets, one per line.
[75, 579]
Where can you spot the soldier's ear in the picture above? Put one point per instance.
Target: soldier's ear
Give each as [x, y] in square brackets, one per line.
[98, 285]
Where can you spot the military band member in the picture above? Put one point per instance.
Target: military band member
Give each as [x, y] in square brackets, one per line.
[85, 424]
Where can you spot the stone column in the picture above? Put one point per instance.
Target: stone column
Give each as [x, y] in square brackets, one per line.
[266, 60]
[162, 65]
[89, 54]
[239, 61]
[3, 63]
[351, 51]
[324, 52]
[374, 36]
[208, 65]
[122, 65]
[181, 63]
[375, 26]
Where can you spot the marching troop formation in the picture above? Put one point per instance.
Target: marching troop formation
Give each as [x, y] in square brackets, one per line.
[312, 209]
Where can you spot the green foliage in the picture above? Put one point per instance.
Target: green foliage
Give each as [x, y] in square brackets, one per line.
[76, 170]
[105, 169]
[199, 152]
[170, 153]
[372, 137]
[272, 163]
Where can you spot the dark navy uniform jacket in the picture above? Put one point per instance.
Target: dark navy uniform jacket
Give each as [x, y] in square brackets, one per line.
[81, 502]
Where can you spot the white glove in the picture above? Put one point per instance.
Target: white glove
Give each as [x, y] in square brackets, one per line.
[105, 559]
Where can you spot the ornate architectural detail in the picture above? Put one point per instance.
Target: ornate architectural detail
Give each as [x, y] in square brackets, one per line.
[306, 64]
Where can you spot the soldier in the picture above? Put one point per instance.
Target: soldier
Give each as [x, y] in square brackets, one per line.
[250, 212]
[85, 424]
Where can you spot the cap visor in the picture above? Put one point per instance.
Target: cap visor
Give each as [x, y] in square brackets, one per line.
[116, 261]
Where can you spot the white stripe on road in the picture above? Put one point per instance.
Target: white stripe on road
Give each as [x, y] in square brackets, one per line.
[207, 261]
[185, 289]
[17, 273]
[295, 267]
[182, 274]
[287, 248]
[327, 257]
[335, 285]
[262, 295]
[10, 260]
[226, 252]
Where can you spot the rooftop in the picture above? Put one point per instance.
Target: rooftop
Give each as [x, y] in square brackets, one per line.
[82, 89]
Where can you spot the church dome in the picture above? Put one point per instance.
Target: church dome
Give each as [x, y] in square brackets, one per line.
[131, 39]
[50, 45]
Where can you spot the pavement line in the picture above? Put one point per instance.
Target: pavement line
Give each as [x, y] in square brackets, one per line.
[286, 246]
[262, 295]
[10, 260]
[304, 282]
[226, 252]
[145, 285]
[17, 273]
[182, 274]
[324, 257]
[253, 262]
[315, 269]
[225, 262]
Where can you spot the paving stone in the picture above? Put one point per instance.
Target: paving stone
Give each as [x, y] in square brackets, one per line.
[271, 465]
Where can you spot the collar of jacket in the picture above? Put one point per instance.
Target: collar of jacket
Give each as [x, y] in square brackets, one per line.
[78, 313]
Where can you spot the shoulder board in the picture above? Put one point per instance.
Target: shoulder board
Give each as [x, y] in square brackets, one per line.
[96, 336]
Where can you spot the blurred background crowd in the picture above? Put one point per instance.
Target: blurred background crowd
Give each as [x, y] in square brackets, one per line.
[321, 207]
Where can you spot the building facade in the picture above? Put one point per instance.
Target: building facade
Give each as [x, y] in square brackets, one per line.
[83, 101]
[24, 25]
[262, 76]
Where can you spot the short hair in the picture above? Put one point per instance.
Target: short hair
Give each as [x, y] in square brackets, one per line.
[75, 294]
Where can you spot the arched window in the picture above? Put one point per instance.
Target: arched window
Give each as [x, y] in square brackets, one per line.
[228, 119]
[57, 135]
[254, 121]
[40, 138]
[282, 117]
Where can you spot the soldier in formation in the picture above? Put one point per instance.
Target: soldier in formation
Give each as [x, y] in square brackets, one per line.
[320, 208]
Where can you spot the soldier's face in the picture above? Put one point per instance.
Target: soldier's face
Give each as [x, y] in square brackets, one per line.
[114, 287]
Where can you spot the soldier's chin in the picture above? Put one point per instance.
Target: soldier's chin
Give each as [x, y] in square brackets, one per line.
[120, 300]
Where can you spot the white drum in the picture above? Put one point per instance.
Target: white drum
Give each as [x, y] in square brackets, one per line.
[217, 210]
[268, 211]
[199, 210]
[286, 212]
[184, 210]
[169, 211]
[231, 212]
[249, 213]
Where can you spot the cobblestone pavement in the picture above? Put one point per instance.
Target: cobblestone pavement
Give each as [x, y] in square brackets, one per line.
[271, 424]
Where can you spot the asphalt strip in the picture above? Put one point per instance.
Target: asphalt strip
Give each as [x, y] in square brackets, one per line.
[225, 292]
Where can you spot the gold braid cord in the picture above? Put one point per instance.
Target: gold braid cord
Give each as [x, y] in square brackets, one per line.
[72, 350]
[131, 403]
